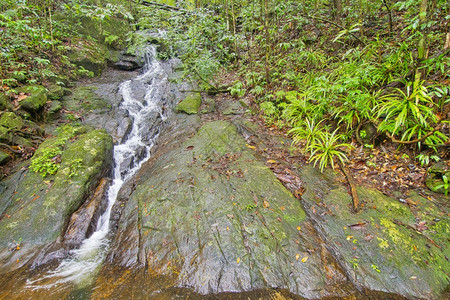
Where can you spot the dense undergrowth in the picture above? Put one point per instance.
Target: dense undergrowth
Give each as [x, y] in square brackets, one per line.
[36, 37]
[362, 75]
[333, 75]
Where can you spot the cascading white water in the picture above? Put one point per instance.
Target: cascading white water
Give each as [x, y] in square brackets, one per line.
[129, 156]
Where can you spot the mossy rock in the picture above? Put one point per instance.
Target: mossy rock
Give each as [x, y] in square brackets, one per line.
[55, 107]
[190, 104]
[232, 225]
[4, 157]
[60, 80]
[89, 55]
[209, 105]
[85, 99]
[232, 108]
[39, 208]
[434, 180]
[21, 141]
[11, 121]
[394, 247]
[4, 102]
[5, 135]
[56, 92]
[36, 99]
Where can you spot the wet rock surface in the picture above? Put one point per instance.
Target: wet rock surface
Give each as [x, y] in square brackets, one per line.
[209, 216]
[392, 245]
[34, 210]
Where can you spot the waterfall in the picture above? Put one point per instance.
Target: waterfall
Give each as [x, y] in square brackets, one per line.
[147, 117]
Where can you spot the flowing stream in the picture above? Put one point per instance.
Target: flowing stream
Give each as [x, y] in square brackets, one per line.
[145, 110]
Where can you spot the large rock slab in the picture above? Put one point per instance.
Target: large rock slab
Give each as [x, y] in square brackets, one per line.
[209, 216]
[34, 211]
[393, 245]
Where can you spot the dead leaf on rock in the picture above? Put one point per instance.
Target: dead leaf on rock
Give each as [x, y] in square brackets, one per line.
[298, 193]
[266, 204]
[22, 96]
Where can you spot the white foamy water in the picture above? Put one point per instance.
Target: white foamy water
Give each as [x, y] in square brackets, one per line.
[80, 268]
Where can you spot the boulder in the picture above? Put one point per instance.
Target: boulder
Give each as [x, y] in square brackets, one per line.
[11, 121]
[37, 97]
[392, 246]
[56, 92]
[5, 135]
[38, 209]
[89, 55]
[190, 104]
[4, 102]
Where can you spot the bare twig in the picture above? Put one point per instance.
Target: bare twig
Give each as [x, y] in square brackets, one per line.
[10, 148]
[354, 194]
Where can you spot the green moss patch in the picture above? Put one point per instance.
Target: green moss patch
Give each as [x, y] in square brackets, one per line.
[399, 246]
[39, 208]
[190, 104]
[37, 97]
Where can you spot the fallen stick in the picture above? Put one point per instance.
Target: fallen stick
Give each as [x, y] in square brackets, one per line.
[355, 198]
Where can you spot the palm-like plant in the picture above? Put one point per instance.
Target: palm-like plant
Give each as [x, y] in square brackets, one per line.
[409, 114]
[326, 148]
[307, 130]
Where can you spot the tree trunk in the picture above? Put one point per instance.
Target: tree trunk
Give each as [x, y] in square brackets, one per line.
[337, 10]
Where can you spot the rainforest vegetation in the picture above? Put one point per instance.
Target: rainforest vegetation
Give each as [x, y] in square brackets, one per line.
[357, 83]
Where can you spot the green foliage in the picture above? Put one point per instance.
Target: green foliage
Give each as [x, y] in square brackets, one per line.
[47, 159]
[47, 162]
[238, 90]
[199, 39]
[445, 185]
[326, 148]
[74, 167]
[425, 159]
[410, 114]
[36, 36]
[270, 112]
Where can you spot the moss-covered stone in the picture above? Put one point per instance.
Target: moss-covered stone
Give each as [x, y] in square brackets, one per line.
[55, 107]
[89, 55]
[11, 121]
[60, 80]
[4, 103]
[5, 135]
[232, 108]
[190, 104]
[4, 157]
[36, 99]
[56, 92]
[39, 208]
[209, 105]
[394, 247]
[85, 99]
